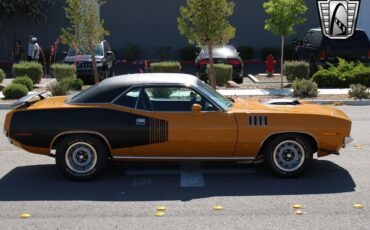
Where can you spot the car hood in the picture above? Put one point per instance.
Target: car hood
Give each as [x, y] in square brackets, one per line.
[242, 105]
[81, 58]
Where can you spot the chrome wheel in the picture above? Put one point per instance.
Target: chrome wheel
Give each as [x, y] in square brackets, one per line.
[289, 156]
[81, 157]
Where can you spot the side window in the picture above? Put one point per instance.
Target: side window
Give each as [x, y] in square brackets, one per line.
[176, 99]
[129, 99]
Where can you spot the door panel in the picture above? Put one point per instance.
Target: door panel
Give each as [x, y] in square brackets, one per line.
[183, 134]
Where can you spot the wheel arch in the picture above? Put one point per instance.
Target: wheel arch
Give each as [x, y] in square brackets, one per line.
[312, 140]
[98, 135]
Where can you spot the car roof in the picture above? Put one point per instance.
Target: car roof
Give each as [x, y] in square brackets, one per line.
[149, 78]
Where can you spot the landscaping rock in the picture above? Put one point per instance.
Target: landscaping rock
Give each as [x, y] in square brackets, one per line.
[232, 84]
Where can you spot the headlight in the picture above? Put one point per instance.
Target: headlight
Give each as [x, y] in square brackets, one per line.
[99, 64]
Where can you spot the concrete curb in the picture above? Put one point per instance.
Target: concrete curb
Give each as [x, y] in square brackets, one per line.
[253, 78]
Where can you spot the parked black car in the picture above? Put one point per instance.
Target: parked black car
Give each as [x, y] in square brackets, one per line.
[225, 55]
[319, 50]
[105, 60]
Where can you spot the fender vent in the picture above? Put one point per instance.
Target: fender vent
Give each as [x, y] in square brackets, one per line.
[254, 120]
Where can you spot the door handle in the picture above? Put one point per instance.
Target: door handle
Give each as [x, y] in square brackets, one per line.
[140, 121]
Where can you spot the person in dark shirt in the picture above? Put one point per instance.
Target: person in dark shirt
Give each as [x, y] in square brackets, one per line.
[18, 52]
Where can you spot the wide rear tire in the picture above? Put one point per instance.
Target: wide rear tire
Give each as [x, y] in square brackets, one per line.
[81, 157]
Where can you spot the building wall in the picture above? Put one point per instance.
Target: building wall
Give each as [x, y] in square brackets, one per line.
[150, 24]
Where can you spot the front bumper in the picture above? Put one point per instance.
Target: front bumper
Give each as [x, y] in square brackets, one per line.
[347, 141]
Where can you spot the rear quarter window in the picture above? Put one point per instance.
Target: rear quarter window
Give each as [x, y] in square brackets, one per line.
[97, 94]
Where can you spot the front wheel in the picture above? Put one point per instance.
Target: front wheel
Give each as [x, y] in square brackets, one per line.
[288, 155]
[81, 157]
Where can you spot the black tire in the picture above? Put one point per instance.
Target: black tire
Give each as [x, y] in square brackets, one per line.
[86, 149]
[238, 79]
[291, 150]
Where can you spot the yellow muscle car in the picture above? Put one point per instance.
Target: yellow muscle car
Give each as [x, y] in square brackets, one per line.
[172, 117]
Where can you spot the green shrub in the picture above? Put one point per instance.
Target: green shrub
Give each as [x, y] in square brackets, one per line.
[24, 80]
[304, 88]
[132, 52]
[61, 71]
[342, 75]
[296, 70]
[189, 53]
[59, 88]
[76, 84]
[15, 91]
[245, 52]
[2, 75]
[31, 69]
[265, 51]
[224, 73]
[165, 67]
[358, 91]
[72, 83]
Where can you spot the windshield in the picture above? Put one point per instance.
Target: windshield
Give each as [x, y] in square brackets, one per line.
[98, 51]
[223, 102]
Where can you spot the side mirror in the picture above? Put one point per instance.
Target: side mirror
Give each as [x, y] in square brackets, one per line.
[196, 108]
[109, 53]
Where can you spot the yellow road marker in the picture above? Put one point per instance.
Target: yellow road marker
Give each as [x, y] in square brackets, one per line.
[358, 206]
[160, 214]
[25, 215]
[218, 207]
[297, 206]
[161, 208]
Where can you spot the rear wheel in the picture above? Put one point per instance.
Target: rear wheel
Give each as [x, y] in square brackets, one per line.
[288, 155]
[81, 157]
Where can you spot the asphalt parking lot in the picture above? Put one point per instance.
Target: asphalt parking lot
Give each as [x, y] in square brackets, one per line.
[126, 197]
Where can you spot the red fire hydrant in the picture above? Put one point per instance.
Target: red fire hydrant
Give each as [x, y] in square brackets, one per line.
[270, 65]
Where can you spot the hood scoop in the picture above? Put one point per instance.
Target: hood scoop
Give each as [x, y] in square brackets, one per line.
[281, 102]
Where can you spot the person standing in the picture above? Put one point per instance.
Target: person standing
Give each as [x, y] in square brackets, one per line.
[30, 48]
[18, 52]
[36, 50]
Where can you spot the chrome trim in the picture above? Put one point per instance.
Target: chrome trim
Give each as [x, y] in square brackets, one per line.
[347, 141]
[183, 158]
[80, 132]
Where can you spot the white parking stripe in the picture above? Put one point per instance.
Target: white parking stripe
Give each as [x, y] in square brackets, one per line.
[191, 175]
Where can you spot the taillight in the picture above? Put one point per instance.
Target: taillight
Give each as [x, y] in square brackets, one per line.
[322, 54]
[234, 62]
[203, 62]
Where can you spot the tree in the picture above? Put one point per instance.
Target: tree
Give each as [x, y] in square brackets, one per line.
[34, 9]
[284, 16]
[204, 23]
[86, 28]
